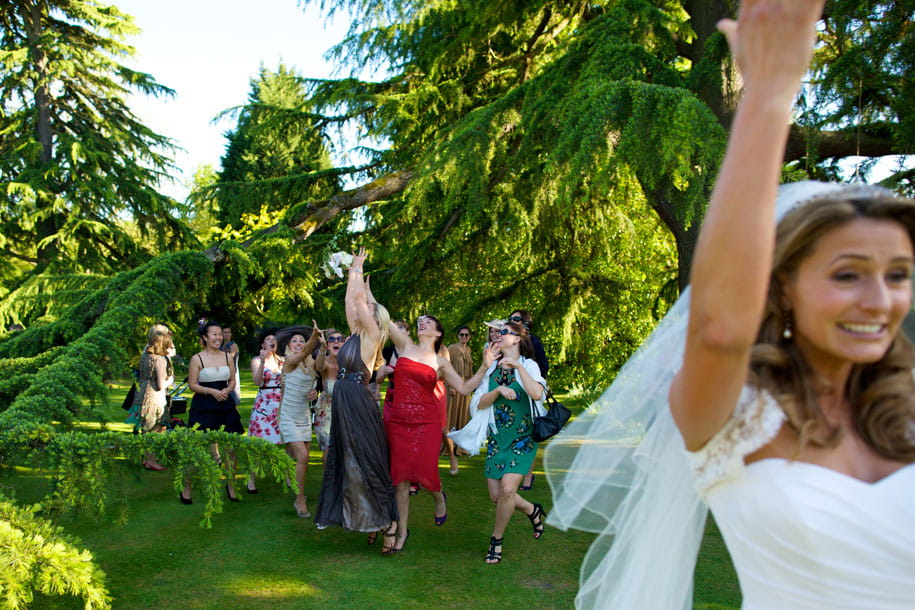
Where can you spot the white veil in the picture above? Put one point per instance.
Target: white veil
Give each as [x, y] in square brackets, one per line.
[620, 470]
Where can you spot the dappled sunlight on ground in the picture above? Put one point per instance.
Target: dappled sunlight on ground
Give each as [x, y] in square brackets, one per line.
[267, 587]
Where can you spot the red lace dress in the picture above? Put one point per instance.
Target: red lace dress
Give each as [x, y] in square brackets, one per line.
[413, 425]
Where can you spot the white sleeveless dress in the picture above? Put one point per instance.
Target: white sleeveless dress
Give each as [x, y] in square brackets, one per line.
[802, 536]
[294, 414]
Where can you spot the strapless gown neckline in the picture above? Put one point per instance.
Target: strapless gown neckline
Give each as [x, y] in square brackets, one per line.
[804, 536]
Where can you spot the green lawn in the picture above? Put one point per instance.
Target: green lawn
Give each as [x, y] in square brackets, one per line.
[258, 554]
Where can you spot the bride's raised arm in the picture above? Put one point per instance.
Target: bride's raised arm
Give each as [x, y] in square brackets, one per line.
[772, 42]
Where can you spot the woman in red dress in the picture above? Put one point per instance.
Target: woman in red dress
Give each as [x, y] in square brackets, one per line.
[413, 421]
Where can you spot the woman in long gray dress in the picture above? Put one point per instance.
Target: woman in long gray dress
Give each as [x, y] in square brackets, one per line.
[356, 492]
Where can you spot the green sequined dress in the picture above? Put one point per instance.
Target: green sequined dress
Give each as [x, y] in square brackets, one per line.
[511, 448]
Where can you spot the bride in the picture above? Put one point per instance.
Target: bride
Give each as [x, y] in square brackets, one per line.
[792, 411]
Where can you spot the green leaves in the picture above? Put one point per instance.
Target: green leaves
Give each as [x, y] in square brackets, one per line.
[75, 160]
[36, 555]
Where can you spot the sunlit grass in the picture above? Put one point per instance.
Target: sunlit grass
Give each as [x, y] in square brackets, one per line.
[260, 555]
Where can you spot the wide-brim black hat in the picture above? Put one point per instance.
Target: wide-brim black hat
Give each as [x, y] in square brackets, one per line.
[285, 335]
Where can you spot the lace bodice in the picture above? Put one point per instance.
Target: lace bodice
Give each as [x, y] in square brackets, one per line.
[803, 536]
[756, 420]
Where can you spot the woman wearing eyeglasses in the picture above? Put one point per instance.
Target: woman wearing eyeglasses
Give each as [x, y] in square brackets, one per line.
[501, 408]
[327, 367]
[459, 404]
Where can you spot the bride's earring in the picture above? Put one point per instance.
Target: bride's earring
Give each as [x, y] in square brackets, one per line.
[787, 333]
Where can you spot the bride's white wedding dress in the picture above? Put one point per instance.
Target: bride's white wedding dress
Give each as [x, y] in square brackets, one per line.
[802, 535]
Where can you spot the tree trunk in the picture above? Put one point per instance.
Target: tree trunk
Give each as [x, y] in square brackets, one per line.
[42, 97]
[48, 226]
[719, 88]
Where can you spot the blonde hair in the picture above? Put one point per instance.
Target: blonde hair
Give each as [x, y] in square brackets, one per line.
[882, 393]
[383, 319]
[158, 339]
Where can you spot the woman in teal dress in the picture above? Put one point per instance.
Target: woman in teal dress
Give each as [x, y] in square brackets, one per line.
[507, 391]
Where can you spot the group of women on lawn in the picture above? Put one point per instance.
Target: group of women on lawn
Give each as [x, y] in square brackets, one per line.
[371, 461]
[778, 391]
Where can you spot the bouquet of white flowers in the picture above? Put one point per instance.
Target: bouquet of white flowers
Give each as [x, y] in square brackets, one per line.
[336, 264]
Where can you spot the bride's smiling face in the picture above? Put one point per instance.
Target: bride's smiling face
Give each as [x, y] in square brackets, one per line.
[848, 298]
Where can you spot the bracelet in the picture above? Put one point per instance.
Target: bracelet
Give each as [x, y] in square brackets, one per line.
[355, 271]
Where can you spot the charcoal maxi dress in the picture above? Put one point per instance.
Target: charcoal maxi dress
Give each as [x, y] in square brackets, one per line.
[356, 491]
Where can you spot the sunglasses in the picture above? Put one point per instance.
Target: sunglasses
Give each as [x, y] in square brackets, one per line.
[463, 334]
[505, 331]
[335, 340]
[515, 319]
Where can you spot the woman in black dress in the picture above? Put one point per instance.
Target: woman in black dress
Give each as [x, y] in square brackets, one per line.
[356, 492]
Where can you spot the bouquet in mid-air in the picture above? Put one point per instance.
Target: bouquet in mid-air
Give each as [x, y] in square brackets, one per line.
[336, 264]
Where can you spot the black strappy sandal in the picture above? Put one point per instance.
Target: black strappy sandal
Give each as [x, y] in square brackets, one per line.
[390, 541]
[494, 556]
[537, 515]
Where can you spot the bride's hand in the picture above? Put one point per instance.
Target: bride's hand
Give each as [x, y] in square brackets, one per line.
[358, 260]
[772, 43]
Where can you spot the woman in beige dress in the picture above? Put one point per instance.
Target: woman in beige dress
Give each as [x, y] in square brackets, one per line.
[459, 404]
[155, 375]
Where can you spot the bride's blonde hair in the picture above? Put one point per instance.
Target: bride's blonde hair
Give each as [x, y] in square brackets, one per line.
[882, 393]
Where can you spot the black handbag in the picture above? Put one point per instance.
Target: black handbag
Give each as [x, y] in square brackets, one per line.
[176, 403]
[550, 424]
[131, 396]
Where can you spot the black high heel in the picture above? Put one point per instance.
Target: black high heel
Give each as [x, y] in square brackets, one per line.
[494, 556]
[390, 539]
[537, 515]
[184, 500]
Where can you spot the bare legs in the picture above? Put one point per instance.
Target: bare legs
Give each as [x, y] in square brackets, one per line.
[452, 457]
[402, 495]
[229, 465]
[150, 462]
[504, 492]
[298, 450]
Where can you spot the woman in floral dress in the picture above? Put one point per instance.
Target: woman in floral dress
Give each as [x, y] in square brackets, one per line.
[266, 373]
[505, 395]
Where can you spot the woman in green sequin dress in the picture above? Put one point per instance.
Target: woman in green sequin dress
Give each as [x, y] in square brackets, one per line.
[508, 388]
